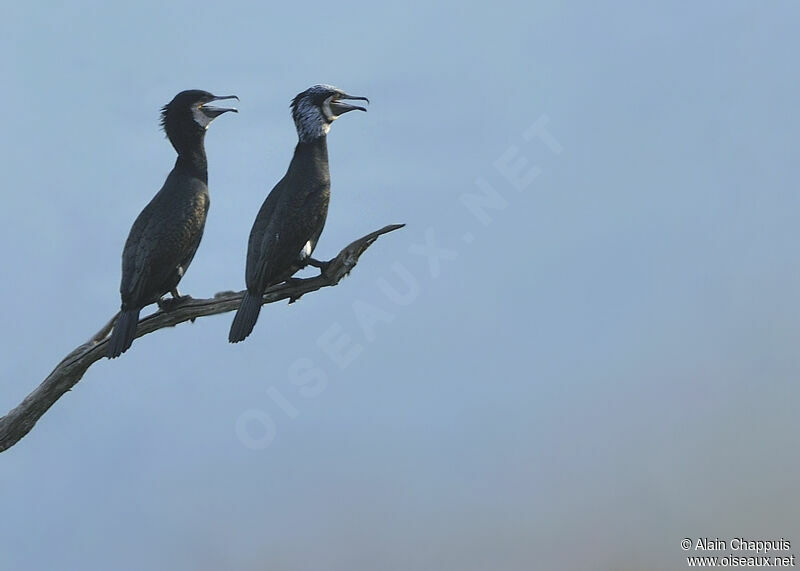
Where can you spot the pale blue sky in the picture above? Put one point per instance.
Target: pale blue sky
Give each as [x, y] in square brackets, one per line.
[608, 366]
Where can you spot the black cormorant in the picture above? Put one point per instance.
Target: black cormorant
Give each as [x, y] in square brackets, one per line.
[165, 236]
[291, 219]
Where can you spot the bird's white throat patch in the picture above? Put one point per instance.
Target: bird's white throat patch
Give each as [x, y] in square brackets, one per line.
[201, 118]
[326, 109]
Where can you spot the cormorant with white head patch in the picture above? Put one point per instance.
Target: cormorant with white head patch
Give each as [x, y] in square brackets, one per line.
[165, 236]
[291, 219]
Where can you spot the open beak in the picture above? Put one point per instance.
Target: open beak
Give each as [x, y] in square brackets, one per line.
[214, 112]
[338, 106]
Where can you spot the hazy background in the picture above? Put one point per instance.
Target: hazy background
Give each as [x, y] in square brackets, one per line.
[608, 366]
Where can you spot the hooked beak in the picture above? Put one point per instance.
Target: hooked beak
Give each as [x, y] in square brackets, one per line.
[339, 107]
[214, 112]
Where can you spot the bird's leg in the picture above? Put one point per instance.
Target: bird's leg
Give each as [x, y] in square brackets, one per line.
[175, 301]
[317, 264]
[176, 295]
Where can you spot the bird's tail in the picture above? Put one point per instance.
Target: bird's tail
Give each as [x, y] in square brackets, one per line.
[246, 317]
[123, 334]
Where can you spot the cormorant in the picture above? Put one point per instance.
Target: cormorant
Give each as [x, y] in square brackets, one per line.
[165, 236]
[291, 219]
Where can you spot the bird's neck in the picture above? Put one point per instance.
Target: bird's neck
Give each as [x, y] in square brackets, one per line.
[192, 160]
[311, 129]
[311, 156]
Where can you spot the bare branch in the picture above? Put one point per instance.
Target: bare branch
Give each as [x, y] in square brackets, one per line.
[20, 420]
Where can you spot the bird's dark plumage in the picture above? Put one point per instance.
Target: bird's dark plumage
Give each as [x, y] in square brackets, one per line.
[165, 236]
[290, 221]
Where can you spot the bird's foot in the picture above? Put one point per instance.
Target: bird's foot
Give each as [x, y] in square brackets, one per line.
[172, 303]
[322, 266]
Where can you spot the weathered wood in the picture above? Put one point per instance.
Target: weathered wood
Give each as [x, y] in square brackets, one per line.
[21, 419]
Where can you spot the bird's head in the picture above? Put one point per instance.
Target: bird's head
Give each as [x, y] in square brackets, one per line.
[190, 112]
[317, 107]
